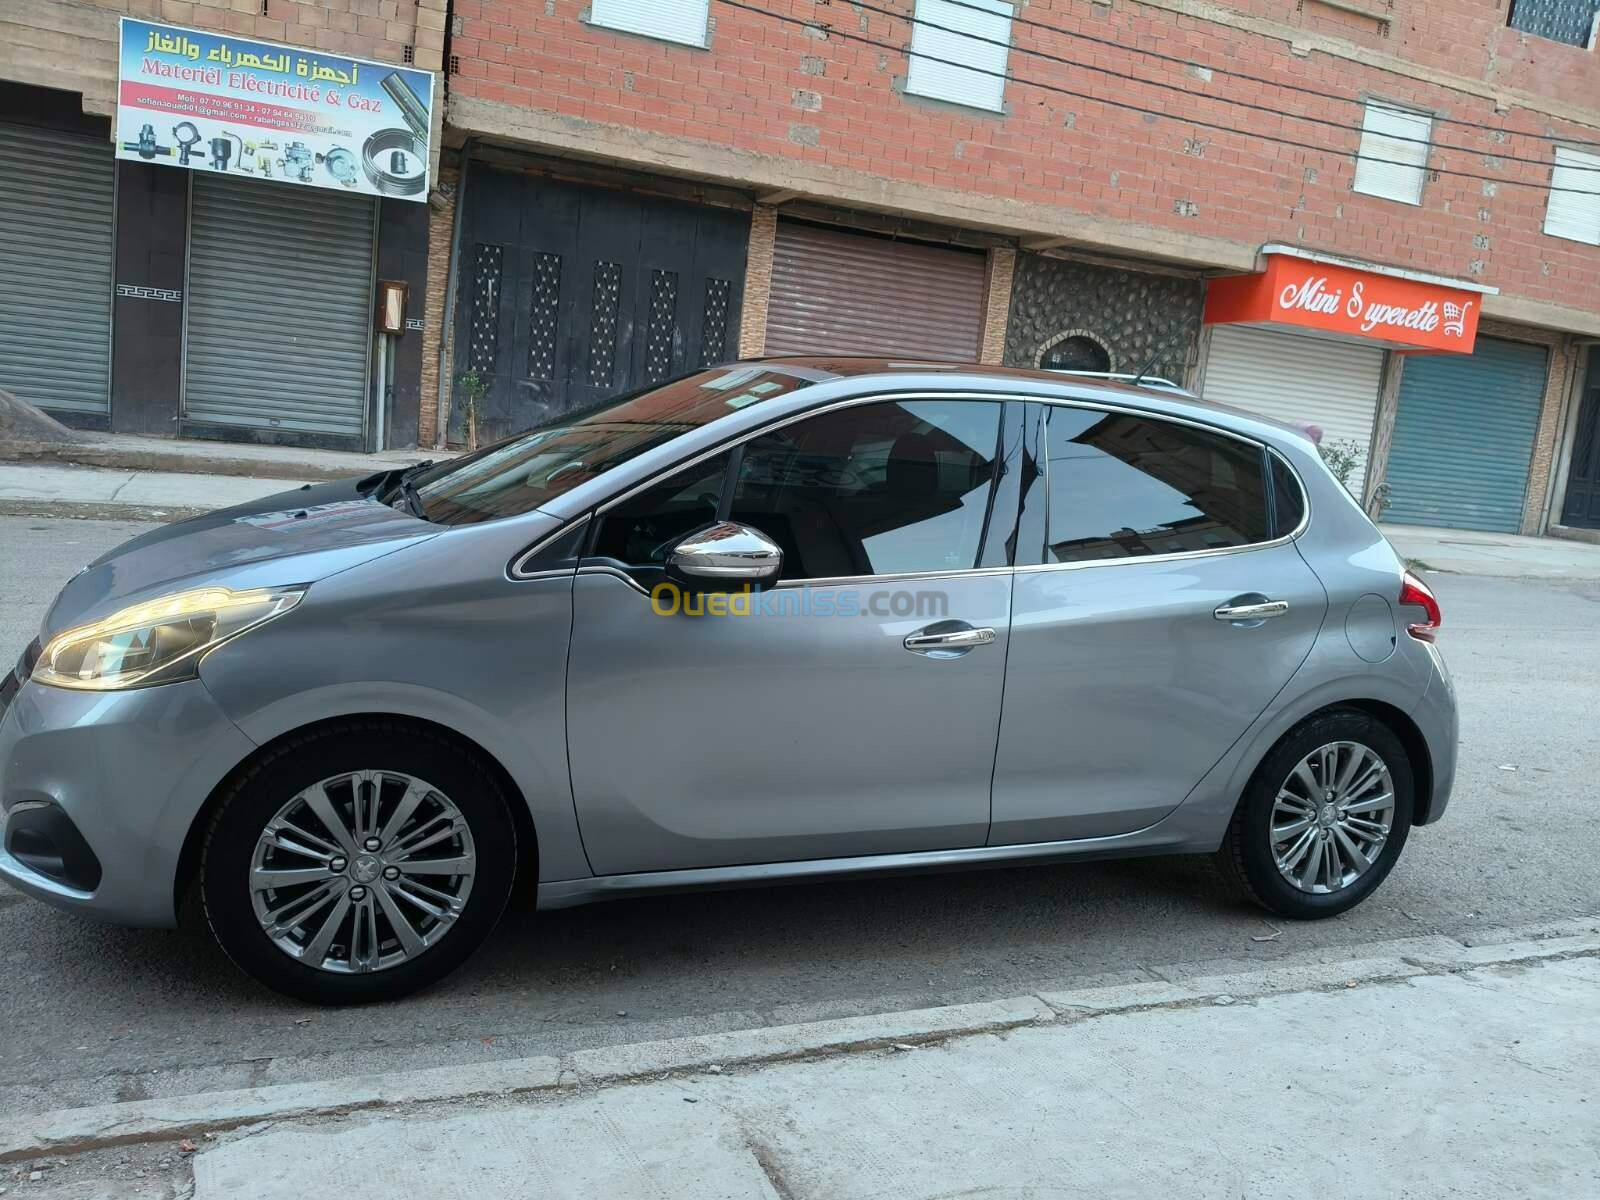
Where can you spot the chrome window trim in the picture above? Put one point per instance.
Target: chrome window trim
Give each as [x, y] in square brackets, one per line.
[922, 394]
[1180, 555]
[515, 570]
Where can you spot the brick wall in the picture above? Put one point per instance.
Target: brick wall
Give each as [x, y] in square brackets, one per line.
[820, 105]
[72, 45]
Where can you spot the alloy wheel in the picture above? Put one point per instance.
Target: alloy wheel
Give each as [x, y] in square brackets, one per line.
[362, 871]
[1332, 817]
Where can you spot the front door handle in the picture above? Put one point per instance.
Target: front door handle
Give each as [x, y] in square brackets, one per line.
[1258, 611]
[948, 640]
[957, 640]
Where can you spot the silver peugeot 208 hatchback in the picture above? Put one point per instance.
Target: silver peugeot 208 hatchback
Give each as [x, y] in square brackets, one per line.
[776, 620]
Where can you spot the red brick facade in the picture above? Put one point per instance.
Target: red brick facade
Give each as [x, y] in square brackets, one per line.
[803, 95]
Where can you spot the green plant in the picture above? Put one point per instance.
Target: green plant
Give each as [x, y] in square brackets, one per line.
[473, 386]
[1343, 458]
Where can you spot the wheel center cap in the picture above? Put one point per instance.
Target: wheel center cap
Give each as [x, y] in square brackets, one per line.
[1327, 815]
[365, 868]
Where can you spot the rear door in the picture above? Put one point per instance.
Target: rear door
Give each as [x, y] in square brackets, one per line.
[1161, 615]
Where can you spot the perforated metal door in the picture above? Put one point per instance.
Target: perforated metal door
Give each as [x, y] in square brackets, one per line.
[279, 307]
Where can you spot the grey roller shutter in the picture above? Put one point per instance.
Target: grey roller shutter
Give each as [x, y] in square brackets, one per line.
[1463, 437]
[842, 293]
[1301, 380]
[279, 307]
[55, 268]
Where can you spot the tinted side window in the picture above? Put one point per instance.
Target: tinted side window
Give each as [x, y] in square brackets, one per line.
[1289, 505]
[1124, 486]
[876, 489]
[641, 530]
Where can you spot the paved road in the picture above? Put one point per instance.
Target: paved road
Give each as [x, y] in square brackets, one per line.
[91, 1014]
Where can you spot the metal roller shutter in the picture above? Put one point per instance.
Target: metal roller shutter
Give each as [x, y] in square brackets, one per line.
[279, 307]
[1305, 381]
[1463, 437]
[55, 268]
[844, 293]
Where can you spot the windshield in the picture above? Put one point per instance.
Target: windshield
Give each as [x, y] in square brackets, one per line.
[529, 469]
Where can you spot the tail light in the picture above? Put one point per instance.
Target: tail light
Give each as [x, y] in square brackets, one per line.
[1418, 594]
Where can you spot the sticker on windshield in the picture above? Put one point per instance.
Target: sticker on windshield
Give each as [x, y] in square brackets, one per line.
[742, 399]
[761, 389]
[732, 379]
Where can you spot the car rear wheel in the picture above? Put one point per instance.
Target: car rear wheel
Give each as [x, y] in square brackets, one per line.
[362, 861]
[1324, 817]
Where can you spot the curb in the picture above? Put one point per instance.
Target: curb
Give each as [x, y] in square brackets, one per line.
[76, 1130]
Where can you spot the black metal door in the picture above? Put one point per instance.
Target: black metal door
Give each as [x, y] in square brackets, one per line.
[569, 294]
[1582, 506]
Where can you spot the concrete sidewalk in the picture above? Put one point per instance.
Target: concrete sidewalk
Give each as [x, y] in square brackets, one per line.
[1419, 1067]
[126, 452]
[38, 489]
[1501, 555]
[1476, 1082]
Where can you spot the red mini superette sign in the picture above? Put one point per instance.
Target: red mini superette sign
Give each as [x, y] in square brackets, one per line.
[1337, 299]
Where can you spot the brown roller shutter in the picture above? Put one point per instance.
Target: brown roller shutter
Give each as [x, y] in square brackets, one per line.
[844, 293]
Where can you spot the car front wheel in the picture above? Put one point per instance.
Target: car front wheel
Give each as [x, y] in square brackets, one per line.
[361, 861]
[1324, 817]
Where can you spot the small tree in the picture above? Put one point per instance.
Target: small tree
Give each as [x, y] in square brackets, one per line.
[1343, 458]
[473, 386]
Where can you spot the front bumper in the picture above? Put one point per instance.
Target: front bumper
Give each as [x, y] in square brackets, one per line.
[130, 770]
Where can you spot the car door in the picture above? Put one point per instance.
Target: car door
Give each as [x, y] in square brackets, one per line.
[1159, 616]
[808, 721]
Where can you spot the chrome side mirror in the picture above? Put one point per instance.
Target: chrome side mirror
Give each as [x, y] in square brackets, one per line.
[725, 557]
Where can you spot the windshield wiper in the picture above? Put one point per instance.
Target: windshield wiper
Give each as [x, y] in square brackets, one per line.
[404, 486]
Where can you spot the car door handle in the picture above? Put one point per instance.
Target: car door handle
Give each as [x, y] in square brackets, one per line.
[1259, 611]
[954, 639]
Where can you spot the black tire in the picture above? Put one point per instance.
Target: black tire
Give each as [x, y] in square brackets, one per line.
[255, 797]
[1246, 859]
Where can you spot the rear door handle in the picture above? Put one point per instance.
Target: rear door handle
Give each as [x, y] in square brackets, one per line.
[1259, 611]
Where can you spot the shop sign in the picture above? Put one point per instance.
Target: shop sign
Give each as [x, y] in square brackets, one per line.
[258, 110]
[1406, 313]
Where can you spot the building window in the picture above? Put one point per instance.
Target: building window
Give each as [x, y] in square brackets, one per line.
[1571, 21]
[684, 21]
[960, 54]
[1394, 152]
[1574, 210]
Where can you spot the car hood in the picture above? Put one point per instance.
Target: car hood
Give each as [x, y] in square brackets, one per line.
[298, 536]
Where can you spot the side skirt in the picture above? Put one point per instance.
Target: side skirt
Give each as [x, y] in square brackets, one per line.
[567, 893]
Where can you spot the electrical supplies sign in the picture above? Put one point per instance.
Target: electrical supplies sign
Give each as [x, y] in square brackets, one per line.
[256, 110]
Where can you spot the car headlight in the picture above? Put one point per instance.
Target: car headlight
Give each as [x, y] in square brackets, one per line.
[159, 641]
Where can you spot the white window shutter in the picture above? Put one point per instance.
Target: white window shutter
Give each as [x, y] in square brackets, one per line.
[978, 82]
[1394, 153]
[684, 21]
[1574, 210]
